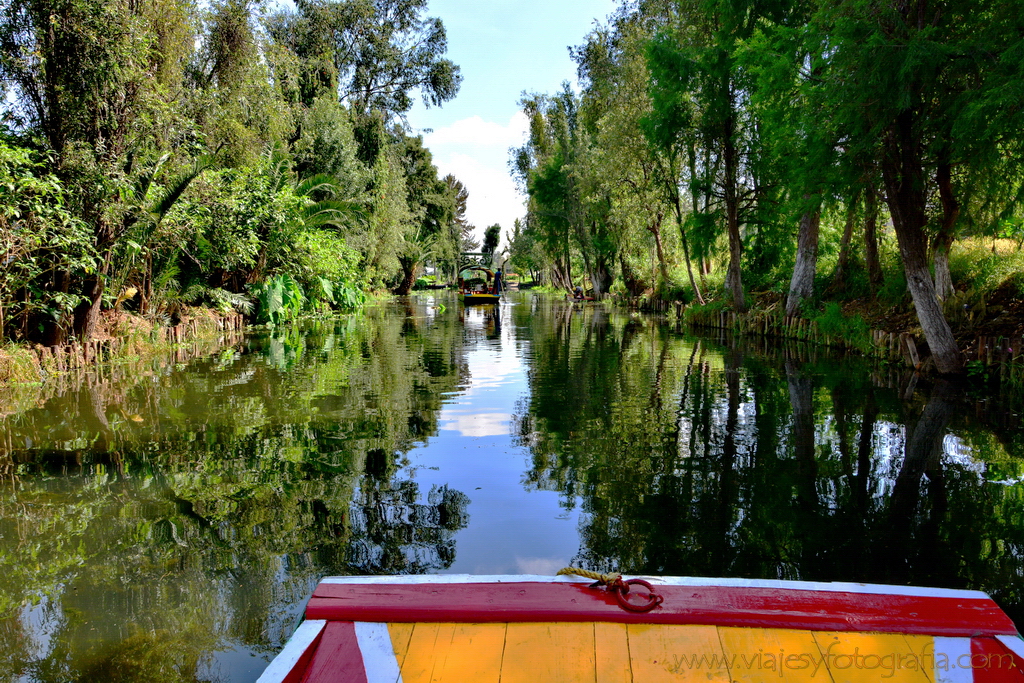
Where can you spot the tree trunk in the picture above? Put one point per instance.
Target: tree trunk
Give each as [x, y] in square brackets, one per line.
[870, 239]
[943, 240]
[655, 229]
[409, 268]
[633, 282]
[600, 275]
[802, 285]
[839, 280]
[686, 247]
[87, 314]
[734, 276]
[905, 195]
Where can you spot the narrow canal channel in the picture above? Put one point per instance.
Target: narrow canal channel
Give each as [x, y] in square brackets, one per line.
[169, 524]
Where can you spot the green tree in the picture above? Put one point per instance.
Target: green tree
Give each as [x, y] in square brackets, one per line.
[492, 237]
[41, 240]
[921, 92]
[544, 166]
[87, 78]
[698, 88]
[370, 53]
[239, 108]
[641, 179]
[432, 205]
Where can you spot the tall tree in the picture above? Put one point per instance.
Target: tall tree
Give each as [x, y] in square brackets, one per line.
[623, 171]
[492, 237]
[372, 53]
[544, 168]
[695, 57]
[913, 82]
[431, 205]
[86, 77]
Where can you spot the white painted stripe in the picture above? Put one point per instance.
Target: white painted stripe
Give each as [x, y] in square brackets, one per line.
[378, 653]
[696, 581]
[1014, 644]
[949, 654]
[296, 646]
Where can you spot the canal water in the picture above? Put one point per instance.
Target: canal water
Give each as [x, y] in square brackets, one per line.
[169, 524]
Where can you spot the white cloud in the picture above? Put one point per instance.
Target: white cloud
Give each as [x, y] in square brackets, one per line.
[493, 197]
[476, 131]
[542, 566]
[479, 424]
[477, 152]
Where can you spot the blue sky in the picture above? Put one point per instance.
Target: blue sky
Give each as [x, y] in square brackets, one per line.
[504, 47]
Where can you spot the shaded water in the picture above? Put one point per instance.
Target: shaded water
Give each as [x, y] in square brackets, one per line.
[170, 526]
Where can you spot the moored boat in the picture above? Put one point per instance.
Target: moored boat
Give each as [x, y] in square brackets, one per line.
[465, 628]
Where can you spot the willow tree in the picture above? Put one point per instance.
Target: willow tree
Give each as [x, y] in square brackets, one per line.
[372, 54]
[698, 89]
[639, 179]
[543, 168]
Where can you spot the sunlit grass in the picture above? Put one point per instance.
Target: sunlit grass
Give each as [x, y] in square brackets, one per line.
[975, 267]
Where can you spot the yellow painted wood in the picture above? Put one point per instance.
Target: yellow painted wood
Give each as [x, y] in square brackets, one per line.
[864, 657]
[759, 655]
[676, 654]
[428, 641]
[558, 651]
[400, 635]
[611, 653]
[454, 653]
[474, 655]
[923, 649]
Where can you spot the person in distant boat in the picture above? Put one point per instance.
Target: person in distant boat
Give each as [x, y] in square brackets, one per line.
[498, 282]
[577, 293]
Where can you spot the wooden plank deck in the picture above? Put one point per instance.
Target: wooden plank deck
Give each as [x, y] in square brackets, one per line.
[574, 652]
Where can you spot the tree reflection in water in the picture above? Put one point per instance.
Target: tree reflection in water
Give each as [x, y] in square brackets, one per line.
[723, 459]
[169, 526]
[146, 525]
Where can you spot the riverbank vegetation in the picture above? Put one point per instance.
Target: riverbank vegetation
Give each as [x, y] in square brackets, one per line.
[787, 156]
[161, 155]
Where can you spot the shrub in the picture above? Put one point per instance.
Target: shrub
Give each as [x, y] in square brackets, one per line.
[851, 329]
[280, 299]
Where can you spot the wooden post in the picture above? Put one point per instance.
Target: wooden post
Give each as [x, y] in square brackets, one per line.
[911, 349]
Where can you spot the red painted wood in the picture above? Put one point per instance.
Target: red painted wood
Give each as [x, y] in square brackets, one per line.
[715, 605]
[337, 659]
[299, 670]
[993, 662]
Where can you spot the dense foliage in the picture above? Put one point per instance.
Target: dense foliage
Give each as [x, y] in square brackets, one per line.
[769, 131]
[170, 153]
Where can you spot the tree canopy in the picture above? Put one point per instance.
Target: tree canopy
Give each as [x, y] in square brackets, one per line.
[770, 131]
[212, 154]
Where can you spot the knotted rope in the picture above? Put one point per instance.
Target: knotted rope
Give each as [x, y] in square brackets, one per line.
[619, 588]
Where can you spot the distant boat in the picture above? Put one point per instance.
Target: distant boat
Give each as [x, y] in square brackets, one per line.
[472, 296]
[540, 629]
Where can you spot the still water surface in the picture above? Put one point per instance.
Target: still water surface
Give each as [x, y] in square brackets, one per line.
[170, 526]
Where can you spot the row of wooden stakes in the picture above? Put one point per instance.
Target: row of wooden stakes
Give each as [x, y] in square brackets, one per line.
[78, 355]
[988, 351]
